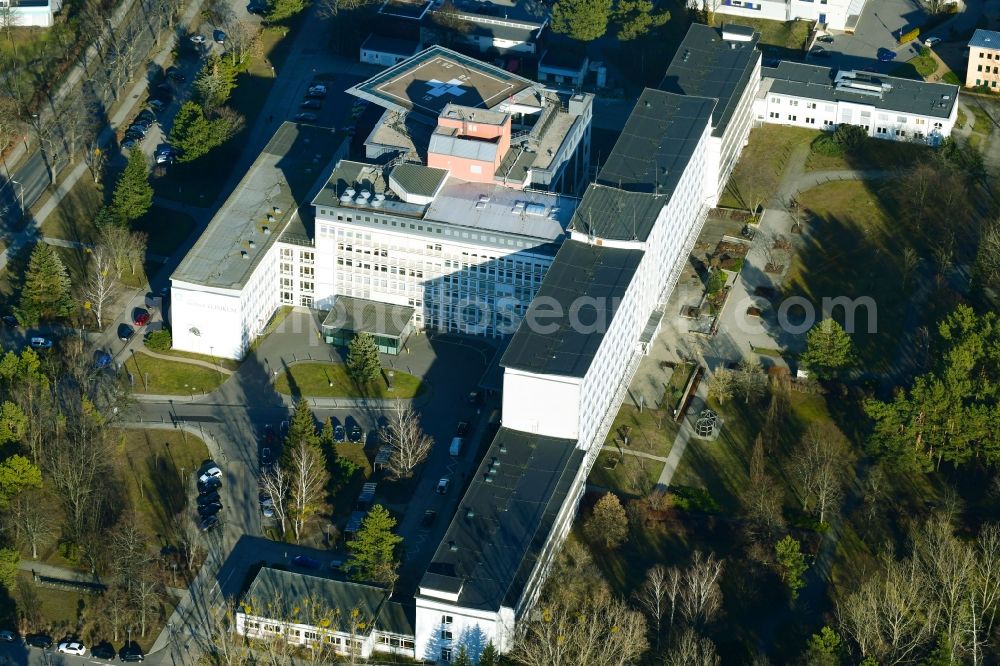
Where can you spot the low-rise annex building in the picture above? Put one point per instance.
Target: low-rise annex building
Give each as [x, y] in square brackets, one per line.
[983, 68]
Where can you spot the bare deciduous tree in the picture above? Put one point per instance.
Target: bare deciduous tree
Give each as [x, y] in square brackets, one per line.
[723, 385]
[819, 466]
[751, 382]
[30, 520]
[146, 596]
[691, 649]
[762, 499]
[410, 444]
[241, 40]
[276, 485]
[653, 597]
[102, 284]
[11, 128]
[308, 479]
[701, 596]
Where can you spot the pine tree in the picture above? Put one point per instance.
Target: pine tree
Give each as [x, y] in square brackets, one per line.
[608, 522]
[326, 434]
[490, 656]
[363, 364]
[583, 20]
[133, 195]
[791, 564]
[301, 429]
[46, 292]
[636, 18]
[461, 657]
[828, 348]
[373, 548]
[216, 82]
[193, 134]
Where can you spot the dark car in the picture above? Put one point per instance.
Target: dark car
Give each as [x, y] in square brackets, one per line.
[305, 117]
[135, 137]
[305, 562]
[103, 651]
[175, 74]
[102, 359]
[356, 434]
[269, 435]
[316, 94]
[219, 36]
[146, 115]
[10, 320]
[209, 484]
[826, 39]
[266, 458]
[210, 509]
[208, 498]
[339, 435]
[886, 55]
[39, 641]
[138, 128]
[141, 318]
[131, 652]
[820, 52]
[313, 104]
[429, 516]
[209, 523]
[125, 332]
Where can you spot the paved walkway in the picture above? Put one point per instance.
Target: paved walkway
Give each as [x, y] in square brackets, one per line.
[684, 435]
[633, 452]
[190, 361]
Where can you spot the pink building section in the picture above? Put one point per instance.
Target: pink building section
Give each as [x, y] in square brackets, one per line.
[470, 143]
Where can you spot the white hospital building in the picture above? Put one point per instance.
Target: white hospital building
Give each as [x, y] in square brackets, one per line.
[463, 216]
[833, 14]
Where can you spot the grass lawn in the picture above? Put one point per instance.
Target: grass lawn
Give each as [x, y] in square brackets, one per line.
[227, 363]
[875, 154]
[633, 476]
[73, 218]
[652, 430]
[758, 173]
[313, 380]
[918, 68]
[853, 251]
[157, 468]
[171, 377]
[785, 35]
[675, 387]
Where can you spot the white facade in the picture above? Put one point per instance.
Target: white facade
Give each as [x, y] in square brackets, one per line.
[832, 13]
[34, 14]
[724, 151]
[339, 642]
[784, 109]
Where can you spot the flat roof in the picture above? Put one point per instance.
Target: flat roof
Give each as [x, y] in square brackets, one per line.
[645, 166]
[280, 594]
[419, 179]
[285, 174]
[706, 65]
[361, 315]
[502, 524]
[529, 213]
[985, 39]
[595, 276]
[888, 93]
[525, 12]
[436, 77]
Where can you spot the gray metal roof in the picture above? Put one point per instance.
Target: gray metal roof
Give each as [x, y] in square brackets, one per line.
[490, 554]
[361, 315]
[899, 95]
[280, 595]
[285, 174]
[393, 45]
[396, 618]
[456, 146]
[592, 276]
[473, 115]
[645, 166]
[418, 179]
[985, 39]
[706, 65]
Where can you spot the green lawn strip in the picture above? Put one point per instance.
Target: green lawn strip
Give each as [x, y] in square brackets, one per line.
[951, 77]
[627, 475]
[875, 154]
[344, 501]
[157, 467]
[171, 377]
[982, 121]
[762, 163]
[790, 35]
[767, 351]
[313, 380]
[853, 252]
[651, 430]
[73, 218]
[918, 68]
[227, 363]
[674, 390]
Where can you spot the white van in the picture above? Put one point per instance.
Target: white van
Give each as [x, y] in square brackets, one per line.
[456, 446]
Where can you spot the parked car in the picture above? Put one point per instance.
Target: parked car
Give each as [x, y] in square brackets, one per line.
[39, 641]
[198, 39]
[428, 519]
[820, 52]
[826, 39]
[885, 55]
[138, 128]
[103, 651]
[356, 434]
[175, 74]
[443, 486]
[207, 524]
[267, 506]
[462, 429]
[39, 342]
[129, 143]
[305, 562]
[146, 115]
[339, 435]
[931, 42]
[219, 36]
[131, 652]
[7, 636]
[164, 159]
[10, 320]
[72, 647]
[157, 105]
[102, 359]
[317, 87]
[210, 497]
[269, 435]
[141, 318]
[208, 485]
[210, 509]
[212, 471]
[305, 117]
[125, 332]
[316, 94]
[313, 104]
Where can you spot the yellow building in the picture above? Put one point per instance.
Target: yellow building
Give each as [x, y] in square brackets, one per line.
[984, 60]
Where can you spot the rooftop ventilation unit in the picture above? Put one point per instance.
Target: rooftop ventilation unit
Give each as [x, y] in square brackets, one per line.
[378, 199]
[350, 191]
[267, 231]
[270, 218]
[277, 210]
[346, 198]
[503, 448]
[364, 195]
[470, 513]
[244, 254]
[452, 546]
[252, 244]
